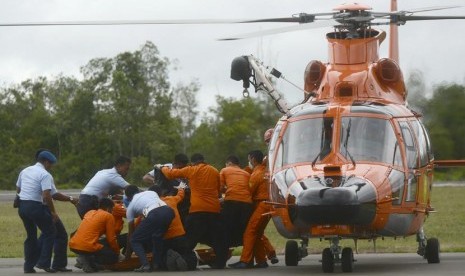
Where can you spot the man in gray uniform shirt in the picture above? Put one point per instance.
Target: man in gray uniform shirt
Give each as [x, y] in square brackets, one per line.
[101, 184]
[36, 189]
[152, 228]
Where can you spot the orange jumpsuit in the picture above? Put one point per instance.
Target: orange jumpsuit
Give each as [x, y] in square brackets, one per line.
[204, 182]
[237, 205]
[235, 182]
[202, 223]
[94, 224]
[269, 249]
[119, 212]
[176, 228]
[253, 244]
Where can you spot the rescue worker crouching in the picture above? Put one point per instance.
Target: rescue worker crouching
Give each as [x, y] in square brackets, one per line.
[85, 241]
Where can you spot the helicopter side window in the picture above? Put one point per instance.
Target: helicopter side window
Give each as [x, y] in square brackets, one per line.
[279, 156]
[273, 146]
[369, 139]
[422, 144]
[411, 187]
[307, 140]
[428, 143]
[411, 149]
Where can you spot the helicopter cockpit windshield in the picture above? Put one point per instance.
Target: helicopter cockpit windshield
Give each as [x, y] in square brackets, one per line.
[307, 140]
[369, 139]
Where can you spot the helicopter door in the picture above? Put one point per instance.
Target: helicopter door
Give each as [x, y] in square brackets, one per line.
[412, 162]
[425, 168]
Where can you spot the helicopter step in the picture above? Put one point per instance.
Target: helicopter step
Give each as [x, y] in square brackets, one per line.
[336, 255]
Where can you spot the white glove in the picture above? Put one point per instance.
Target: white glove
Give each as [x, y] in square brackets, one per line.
[182, 185]
[159, 166]
[121, 257]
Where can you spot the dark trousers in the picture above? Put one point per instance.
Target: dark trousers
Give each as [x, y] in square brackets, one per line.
[235, 216]
[36, 215]
[121, 239]
[86, 203]
[104, 256]
[181, 245]
[152, 229]
[60, 245]
[207, 228]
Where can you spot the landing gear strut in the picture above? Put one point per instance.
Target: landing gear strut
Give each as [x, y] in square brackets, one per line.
[428, 248]
[334, 254]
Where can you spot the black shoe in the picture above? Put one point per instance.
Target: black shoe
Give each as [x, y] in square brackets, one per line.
[274, 260]
[240, 265]
[46, 269]
[62, 269]
[32, 270]
[143, 268]
[261, 265]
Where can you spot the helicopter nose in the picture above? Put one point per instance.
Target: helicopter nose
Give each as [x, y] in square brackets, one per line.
[355, 204]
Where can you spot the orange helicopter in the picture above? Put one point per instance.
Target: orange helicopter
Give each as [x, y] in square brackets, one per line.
[352, 161]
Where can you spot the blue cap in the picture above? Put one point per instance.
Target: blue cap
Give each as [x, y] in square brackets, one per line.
[48, 156]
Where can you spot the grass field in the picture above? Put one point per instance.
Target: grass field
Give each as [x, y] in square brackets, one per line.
[447, 225]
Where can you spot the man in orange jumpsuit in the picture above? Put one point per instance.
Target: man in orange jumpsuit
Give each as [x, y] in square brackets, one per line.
[270, 251]
[237, 204]
[85, 242]
[203, 221]
[252, 243]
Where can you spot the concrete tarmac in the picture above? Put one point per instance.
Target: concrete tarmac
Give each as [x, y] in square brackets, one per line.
[366, 264]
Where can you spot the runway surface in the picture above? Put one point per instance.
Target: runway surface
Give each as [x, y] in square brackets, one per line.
[367, 264]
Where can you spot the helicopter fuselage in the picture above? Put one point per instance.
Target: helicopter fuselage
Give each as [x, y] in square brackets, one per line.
[353, 160]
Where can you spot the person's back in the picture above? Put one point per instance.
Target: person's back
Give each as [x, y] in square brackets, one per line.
[235, 182]
[176, 227]
[203, 222]
[204, 183]
[93, 226]
[86, 241]
[237, 204]
[103, 182]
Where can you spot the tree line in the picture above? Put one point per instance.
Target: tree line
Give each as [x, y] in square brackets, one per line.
[125, 105]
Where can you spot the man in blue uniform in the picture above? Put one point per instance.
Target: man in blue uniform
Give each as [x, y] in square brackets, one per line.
[101, 184]
[36, 189]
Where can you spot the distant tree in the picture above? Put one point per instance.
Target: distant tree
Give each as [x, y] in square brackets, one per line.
[445, 121]
[236, 127]
[133, 97]
[185, 109]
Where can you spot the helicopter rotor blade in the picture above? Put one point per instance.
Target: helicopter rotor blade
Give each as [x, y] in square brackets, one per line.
[126, 22]
[404, 18]
[296, 18]
[314, 25]
[433, 8]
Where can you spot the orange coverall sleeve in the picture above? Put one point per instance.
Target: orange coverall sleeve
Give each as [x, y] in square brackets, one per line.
[111, 234]
[176, 173]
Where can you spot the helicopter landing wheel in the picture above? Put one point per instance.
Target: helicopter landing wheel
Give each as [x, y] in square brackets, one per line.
[432, 251]
[292, 253]
[347, 260]
[327, 260]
